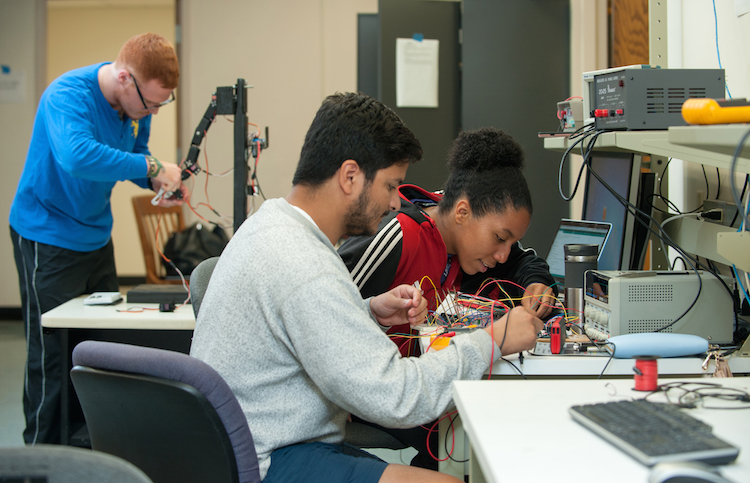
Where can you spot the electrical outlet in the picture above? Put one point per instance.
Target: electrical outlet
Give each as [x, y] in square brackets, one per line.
[729, 211]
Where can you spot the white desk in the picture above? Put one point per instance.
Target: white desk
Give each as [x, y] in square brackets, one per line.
[521, 431]
[76, 322]
[592, 366]
[74, 315]
[568, 368]
[572, 366]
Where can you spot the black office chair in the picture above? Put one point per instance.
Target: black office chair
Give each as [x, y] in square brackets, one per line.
[170, 414]
[199, 282]
[66, 464]
[357, 434]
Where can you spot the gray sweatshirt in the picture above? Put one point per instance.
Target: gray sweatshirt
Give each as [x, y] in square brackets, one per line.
[286, 327]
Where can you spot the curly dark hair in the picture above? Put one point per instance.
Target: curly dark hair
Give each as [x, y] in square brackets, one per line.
[354, 126]
[485, 166]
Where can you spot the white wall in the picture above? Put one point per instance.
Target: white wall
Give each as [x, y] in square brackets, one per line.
[22, 43]
[293, 53]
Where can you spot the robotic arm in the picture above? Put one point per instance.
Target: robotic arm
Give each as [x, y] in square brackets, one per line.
[191, 161]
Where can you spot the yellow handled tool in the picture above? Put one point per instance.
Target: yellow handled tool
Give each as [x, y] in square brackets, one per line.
[716, 111]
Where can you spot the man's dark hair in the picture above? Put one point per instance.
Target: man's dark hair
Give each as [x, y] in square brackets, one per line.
[354, 126]
[485, 167]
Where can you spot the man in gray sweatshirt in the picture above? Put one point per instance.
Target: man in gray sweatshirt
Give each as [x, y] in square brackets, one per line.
[286, 327]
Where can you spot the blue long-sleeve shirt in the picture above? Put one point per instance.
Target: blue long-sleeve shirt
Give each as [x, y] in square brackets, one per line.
[80, 147]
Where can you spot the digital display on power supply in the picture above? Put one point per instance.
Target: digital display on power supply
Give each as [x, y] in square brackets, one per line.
[597, 287]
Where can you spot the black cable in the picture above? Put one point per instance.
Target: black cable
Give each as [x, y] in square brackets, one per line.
[581, 131]
[662, 235]
[693, 392]
[562, 165]
[705, 177]
[661, 181]
[445, 442]
[742, 195]
[505, 332]
[718, 184]
[260, 190]
[633, 210]
[666, 200]
[609, 359]
[675, 263]
[713, 266]
[520, 372]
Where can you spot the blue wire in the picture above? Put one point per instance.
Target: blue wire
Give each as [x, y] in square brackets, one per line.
[742, 286]
[718, 55]
[734, 269]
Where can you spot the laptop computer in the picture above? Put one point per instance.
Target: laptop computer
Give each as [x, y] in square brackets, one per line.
[574, 231]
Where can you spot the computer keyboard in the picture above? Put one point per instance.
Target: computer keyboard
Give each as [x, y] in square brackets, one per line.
[654, 432]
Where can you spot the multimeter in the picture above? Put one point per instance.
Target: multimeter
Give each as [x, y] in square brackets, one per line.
[716, 111]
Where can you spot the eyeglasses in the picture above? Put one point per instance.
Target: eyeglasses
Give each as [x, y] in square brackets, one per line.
[161, 104]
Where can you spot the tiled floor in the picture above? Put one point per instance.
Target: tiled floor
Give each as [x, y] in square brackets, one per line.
[12, 360]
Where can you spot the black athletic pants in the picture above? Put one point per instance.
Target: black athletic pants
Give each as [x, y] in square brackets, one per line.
[49, 276]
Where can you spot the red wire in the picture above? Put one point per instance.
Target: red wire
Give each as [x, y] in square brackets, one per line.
[492, 335]
[444, 334]
[453, 436]
[158, 248]
[156, 241]
[497, 282]
[403, 344]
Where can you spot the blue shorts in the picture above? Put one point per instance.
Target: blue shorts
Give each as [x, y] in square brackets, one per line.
[324, 463]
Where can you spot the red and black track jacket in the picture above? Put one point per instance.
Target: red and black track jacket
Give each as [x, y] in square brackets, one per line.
[408, 246]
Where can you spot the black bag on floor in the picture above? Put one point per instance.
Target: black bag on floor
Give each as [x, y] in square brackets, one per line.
[191, 246]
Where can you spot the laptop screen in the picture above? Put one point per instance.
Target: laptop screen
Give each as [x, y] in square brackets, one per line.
[574, 231]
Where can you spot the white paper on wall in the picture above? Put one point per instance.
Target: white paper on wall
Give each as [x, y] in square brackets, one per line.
[417, 73]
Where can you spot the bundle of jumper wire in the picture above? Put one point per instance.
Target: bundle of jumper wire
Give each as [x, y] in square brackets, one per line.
[477, 310]
[455, 312]
[458, 312]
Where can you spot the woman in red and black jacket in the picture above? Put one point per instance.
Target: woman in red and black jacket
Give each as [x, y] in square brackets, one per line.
[461, 237]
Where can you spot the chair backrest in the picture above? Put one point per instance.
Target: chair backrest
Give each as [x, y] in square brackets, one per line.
[66, 464]
[199, 282]
[155, 225]
[170, 414]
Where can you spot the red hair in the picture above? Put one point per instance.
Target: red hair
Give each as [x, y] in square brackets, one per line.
[151, 56]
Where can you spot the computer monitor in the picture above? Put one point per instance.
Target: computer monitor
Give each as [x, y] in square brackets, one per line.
[627, 239]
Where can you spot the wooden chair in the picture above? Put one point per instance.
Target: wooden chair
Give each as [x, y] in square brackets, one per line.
[148, 220]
